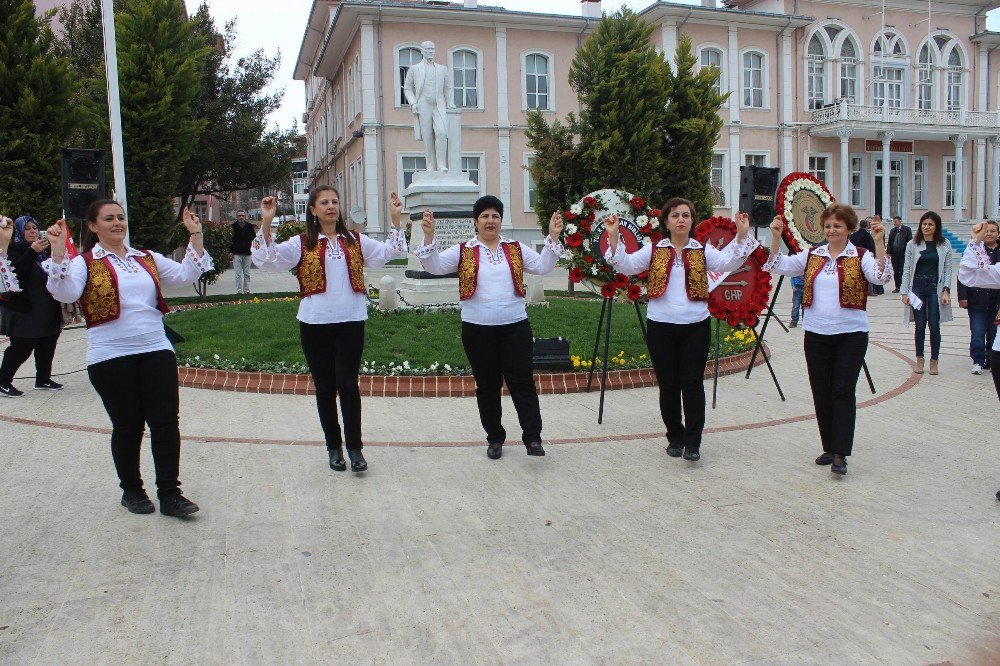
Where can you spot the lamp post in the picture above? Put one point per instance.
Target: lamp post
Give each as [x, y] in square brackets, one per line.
[114, 104]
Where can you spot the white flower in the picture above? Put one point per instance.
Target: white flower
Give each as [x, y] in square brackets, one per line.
[406, 365]
[593, 270]
[642, 220]
[215, 356]
[571, 228]
[576, 208]
[655, 221]
[197, 358]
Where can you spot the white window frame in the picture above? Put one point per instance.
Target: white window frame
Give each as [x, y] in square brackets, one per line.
[481, 156]
[847, 35]
[952, 70]
[551, 80]
[863, 194]
[731, 200]
[766, 154]
[525, 163]
[765, 79]
[924, 185]
[920, 70]
[949, 163]
[903, 83]
[479, 73]
[400, 180]
[396, 65]
[829, 163]
[358, 99]
[350, 95]
[723, 73]
[823, 73]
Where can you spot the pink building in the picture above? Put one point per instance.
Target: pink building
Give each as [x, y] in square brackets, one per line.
[834, 88]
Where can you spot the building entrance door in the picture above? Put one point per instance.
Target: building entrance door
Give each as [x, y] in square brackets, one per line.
[895, 188]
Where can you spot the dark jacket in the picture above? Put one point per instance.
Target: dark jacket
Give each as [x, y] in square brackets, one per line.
[32, 312]
[863, 238]
[907, 236]
[979, 298]
[243, 236]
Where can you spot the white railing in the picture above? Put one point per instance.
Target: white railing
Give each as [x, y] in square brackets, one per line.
[845, 111]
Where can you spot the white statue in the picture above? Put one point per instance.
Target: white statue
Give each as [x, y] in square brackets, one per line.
[428, 89]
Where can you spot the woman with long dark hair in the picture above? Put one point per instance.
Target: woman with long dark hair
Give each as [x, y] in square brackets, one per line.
[679, 326]
[927, 276]
[31, 319]
[834, 300]
[496, 333]
[329, 262]
[130, 362]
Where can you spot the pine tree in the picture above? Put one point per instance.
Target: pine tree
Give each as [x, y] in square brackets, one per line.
[692, 129]
[556, 169]
[36, 118]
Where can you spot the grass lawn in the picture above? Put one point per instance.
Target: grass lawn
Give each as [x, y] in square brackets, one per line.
[268, 333]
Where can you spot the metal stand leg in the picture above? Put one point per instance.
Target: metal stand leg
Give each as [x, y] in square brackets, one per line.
[715, 379]
[868, 376]
[604, 363]
[597, 341]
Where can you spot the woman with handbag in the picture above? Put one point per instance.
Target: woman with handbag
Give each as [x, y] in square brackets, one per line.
[32, 319]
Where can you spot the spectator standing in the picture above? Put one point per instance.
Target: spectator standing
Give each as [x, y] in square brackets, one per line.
[899, 236]
[927, 271]
[863, 238]
[243, 235]
[982, 304]
[798, 286]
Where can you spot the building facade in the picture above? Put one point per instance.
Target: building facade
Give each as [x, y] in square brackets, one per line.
[896, 112]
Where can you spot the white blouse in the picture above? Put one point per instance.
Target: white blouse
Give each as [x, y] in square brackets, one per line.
[825, 315]
[674, 306]
[139, 327]
[975, 270]
[495, 302]
[8, 279]
[339, 303]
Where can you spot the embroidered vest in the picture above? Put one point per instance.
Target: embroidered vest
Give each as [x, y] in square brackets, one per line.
[996, 319]
[468, 269]
[101, 301]
[311, 270]
[852, 280]
[695, 271]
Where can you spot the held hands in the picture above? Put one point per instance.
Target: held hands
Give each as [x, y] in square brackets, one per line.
[742, 226]
[979, 232]
[555, 226]
[878, 229]
[395, 209]
[777, 225]
[427, 224]
[611, 225]
[268, 208]
[191, 221]
[56, 235]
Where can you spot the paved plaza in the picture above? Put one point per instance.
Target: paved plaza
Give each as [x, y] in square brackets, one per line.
[604, 551]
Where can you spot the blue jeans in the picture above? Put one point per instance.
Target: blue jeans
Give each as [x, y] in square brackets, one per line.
[796, 304]
[983, 332]
[925, 287]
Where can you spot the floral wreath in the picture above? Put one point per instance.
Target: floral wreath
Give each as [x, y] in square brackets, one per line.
[789, 187]
[581, 238]
[746, 311]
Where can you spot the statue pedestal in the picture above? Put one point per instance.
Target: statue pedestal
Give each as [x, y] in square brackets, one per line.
[450, 196]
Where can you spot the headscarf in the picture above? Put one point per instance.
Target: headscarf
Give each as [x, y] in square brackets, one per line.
[19, 225]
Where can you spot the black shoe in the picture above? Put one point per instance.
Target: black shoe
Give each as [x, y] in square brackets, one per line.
[825, 459]
[177, 505]
[137, 502]
[358, 462]
[692, 454]
[839, 465]
[535, 449]
[494, 451]
[48, 386]
[337, 461]
[9, 391]
[998, 494]
[895, 291]
[675, 450]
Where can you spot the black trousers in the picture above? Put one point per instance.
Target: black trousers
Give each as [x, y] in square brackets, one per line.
[498, 354]
[136, 390]
[995, 369]
[679, 353]
[897, 258]
[19, 351]
[834, 365]
[333, 352]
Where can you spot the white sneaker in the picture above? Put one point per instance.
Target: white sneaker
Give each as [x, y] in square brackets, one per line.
[977, 369]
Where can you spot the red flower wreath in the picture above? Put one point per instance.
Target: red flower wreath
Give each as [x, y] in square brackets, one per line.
[781, 200]
[747, 310]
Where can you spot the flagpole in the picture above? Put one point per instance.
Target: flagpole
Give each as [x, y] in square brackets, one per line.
[114, 104]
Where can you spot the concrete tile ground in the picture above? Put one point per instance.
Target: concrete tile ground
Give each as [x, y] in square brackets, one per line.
[604, 551]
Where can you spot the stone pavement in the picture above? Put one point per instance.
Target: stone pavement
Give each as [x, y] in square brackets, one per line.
[605, 551]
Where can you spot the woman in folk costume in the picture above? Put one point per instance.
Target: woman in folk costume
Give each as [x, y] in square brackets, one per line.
[835, 298]
[130, 362]
[496, 333]
[679, 326]
[329, 262]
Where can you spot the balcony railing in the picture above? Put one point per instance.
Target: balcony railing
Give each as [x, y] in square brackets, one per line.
[843, 110]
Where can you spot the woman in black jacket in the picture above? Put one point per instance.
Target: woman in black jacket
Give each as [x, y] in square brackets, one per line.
[32, 319]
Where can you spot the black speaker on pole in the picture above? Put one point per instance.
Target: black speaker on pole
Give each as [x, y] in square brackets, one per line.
[758, 187]
[82, 180]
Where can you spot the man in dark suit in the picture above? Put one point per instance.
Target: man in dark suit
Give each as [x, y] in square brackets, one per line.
[863, 238]
[899, 236]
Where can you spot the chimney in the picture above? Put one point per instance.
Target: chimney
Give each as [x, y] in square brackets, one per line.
[471, 4]
[591, 8]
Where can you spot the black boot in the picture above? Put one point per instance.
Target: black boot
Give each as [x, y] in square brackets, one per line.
[675, 450]
[692, 454]
[337, 461]
[137, 502]
[358, 462]
[839, 465]
[535, 449]
[494, 451]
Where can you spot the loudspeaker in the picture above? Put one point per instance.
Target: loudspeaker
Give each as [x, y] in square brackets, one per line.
[758, 187]
[551, 354]
[82, 180]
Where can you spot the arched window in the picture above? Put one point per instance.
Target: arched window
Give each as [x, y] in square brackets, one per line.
[405, 58]
[849, 71]
[754, 79]
[713, 57]
[955, 92]
[465, 78]
[816, 73]
[889, 70]
[925, 78]
[536, 81]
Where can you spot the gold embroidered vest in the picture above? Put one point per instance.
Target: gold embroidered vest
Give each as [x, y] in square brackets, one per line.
[101, 299]
[695, 272]
[311, 270]
[852, 280]
[468, 269]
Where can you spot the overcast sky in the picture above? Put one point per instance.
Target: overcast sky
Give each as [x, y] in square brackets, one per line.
[260, 24]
